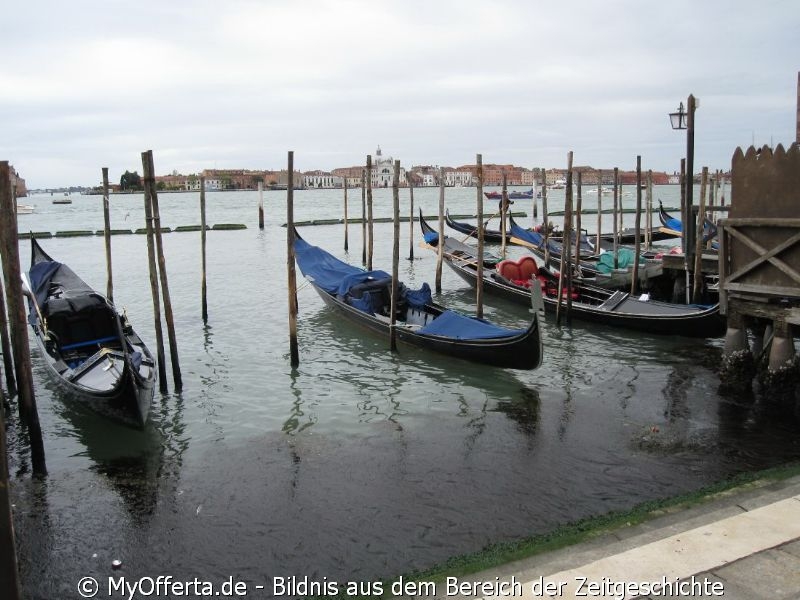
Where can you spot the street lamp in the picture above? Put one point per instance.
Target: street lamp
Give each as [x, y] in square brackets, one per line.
[685, 120]
[678, 119]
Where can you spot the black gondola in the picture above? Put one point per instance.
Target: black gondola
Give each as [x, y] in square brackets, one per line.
[365, 296]
[496, 236]
[91, 352]
[489, 235]
[512, 280]
[515, 195]
[672, 224]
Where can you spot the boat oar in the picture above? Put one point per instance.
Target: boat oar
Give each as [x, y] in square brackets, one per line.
[27, 290]
[537, 301]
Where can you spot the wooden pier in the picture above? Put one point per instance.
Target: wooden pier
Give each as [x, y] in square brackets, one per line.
[759, 262]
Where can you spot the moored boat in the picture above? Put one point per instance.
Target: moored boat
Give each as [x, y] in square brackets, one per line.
[91, 352]
[489, 235]
[364, 297]
[512, 195]
[513, 279]
[674, 225]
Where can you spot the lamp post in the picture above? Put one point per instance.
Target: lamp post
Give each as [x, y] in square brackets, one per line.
[685, 120]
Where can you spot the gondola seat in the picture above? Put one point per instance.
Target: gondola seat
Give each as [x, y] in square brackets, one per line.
[522, 271]
[550, 288]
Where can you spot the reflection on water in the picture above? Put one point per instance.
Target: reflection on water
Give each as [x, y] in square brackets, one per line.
[359, 463]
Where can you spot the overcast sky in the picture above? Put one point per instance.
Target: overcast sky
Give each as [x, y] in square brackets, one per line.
[236, 84]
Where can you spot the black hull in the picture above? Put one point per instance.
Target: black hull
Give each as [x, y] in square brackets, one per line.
[128, 403]
[628, 237]
[701, 323]
[116, 378]
[489, 235]
[520, 352]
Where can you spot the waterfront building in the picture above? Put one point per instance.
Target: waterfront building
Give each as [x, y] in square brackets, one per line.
[383, 171]
[322, 179]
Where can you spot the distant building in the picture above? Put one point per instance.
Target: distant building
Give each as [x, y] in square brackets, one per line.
[352, 175]
[322, 179]
[18, 183]
[383, 171]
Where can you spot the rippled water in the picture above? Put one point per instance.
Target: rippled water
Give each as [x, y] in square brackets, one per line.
[361, 463]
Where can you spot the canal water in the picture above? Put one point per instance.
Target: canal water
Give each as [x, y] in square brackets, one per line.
[360, 464]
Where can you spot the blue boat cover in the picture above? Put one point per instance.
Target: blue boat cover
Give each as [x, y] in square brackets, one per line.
[76, 295]
[337, 277]
[674, 224]
[461, 327]
[535, 238]
[709, 229]
[328, 272]
[40, 276]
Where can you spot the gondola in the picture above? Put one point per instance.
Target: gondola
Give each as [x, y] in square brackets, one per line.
[91, 352]
[534, 240]
[365, 298]
[516, 195]
[489, 235]
[512, 280]
[600, 269]
[496, 236]
[671, 223]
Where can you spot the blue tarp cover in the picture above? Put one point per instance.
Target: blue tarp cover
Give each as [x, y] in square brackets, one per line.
[461, 327]
[328, 272]
[40, 275]
[418, 298]
[535, 238]
[337, 277]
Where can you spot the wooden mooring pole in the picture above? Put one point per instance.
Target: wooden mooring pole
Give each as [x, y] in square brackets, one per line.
[9, 571]
[9, 247]
[599, 211]
[648, 232]
[370, 225]
[411, 220]
[260, 203]
[440, 235]
[346, 241]
[545, 222]
[395, 256]
[107, 238]
[5, 343]
[565, 271]
[150, 182]
[363, 217]
[151, 262]
[479, 282]
[292, 275]
[203, 290]
[697, 287]
[578, 209]
[617, 202]
[637, 227]
[504, 202]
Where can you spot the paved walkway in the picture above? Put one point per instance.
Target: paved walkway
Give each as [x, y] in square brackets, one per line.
[743, 545]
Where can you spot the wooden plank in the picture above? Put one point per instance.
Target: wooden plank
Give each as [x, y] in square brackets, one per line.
[764, 255]
[763, 290]
[762, 222]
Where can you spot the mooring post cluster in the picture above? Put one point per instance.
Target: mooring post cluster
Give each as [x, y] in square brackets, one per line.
[159, 273]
